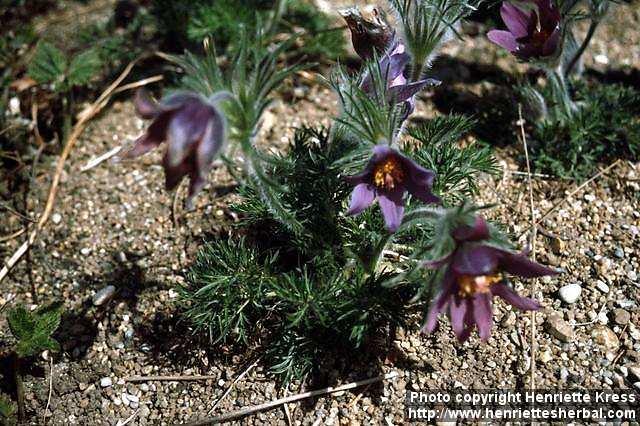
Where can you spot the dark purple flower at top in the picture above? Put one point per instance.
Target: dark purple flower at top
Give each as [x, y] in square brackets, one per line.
[386, 178]
[195, 132]
[392, 68]
[531, 33]
[473, 275]
[369, 36]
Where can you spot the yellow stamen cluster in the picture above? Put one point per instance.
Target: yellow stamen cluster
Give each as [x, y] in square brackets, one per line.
[388, 173]
[469, 285]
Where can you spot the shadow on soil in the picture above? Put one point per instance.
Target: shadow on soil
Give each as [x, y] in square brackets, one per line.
[481, 91]
[79, 329]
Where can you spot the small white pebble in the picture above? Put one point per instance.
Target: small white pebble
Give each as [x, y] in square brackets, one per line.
[601, 59]
[56, 218]
[106, 382]
[14, 106]
[570, 293]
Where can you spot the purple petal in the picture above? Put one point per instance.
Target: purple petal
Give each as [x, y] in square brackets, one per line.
[551, 45]
[397, 94]
[483, 315]
[513, 298]
[516, 20]
[440, 303]
[479, 231]
[210, 144]
[361, 198]
[475, 260]
[438, 263]
[392, 207]
[457, 311]
[418, 174]
[145, 106]
[380, 152]
[196, 184]
[503, 39]
[518, 264]
[363, 177]
[394, 66]
[548, 13]
[153, 137]
[186, 129]
[173, 175]
[422, 193]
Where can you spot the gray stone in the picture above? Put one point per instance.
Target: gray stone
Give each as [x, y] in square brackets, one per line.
[605, 337]
[570, 293]
[106, 382]
[602, 286]
[622, 317]
[104, 295]
[559, 328]
[634, 370]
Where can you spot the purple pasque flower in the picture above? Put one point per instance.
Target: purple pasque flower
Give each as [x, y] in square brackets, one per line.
[195, 132]
[473, 276]
[530, 33]
[370, 35]
[399, 90]
[386, 178]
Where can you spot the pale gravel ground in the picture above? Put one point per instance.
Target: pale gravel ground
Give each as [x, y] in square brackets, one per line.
[116, 228]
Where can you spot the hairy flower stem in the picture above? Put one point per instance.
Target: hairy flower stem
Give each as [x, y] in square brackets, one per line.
[576, 57]
[278, 11]
[560, 91]
[19, 386]
[376, 256]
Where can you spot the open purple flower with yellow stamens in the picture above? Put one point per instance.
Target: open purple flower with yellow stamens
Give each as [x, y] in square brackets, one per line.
[530, 33]
[386, 178]
[473, 276]
[195, 132]
[398, 90]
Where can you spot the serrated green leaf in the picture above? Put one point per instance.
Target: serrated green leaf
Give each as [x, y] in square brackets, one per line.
[48, 319]
[48, 64]
[21, 323]
[84, 67]
[33, 329]
[7, 408]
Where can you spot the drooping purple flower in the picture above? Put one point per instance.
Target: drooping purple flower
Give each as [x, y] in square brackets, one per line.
[369, 35]
[392, 69]
[386, 178]
[195, 132]
[530, 33]
[473, 276]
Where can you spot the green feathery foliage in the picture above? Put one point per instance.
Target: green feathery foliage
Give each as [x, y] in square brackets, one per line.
[317, 289]
[426, 24]
[33, 330]
[457, 168]
[605, 127]
[224, 22]
[247, 85]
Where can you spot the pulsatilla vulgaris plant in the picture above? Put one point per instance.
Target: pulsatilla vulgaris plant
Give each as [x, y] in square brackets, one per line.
[305, 274]
[574, 123]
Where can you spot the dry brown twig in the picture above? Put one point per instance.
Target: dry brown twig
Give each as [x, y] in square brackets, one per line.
[276, 403]
[44, 421]
[135, 379]
[533, 344]
[236, 380]
[83, 118]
